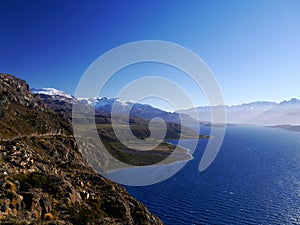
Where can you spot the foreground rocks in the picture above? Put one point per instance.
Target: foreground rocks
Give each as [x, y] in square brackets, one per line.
[43, 177]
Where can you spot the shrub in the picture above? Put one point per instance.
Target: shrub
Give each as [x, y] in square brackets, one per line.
[81, 215]
[95, 203]
[21, 177]
[35, 179]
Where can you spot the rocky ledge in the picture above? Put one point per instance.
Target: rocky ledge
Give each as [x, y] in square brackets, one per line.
[43, 177]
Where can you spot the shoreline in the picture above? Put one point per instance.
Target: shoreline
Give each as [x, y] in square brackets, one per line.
[286, 127]
[187, 153]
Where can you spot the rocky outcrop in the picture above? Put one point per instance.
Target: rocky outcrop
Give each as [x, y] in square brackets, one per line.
[43, 177]
[15, 90]
[22, 113]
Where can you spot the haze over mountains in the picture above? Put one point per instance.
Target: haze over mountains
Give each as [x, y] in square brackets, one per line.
[261, 112]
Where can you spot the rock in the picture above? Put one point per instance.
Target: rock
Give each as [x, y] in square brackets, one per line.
[36, 186]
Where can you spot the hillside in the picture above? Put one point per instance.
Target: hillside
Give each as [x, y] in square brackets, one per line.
[61, 103]
[57, 99]
[44, 178]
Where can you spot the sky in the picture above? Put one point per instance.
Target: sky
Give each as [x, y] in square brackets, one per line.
[252, 46]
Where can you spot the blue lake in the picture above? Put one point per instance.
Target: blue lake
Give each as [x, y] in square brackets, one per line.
[255, 179]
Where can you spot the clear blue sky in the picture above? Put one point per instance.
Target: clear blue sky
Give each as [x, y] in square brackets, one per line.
[253, 47]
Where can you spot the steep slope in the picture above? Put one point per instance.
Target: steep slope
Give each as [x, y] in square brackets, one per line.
[23, 113]
[139, 126]
[44, 179]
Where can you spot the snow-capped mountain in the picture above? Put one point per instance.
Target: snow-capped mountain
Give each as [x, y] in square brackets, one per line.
[51, 92]
[105, 104]
[118, 106]
[57, 98]
[262, 112]
[267, 113]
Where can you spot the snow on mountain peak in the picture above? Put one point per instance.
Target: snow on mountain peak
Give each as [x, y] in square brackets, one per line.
[51, 92]
[98, 102]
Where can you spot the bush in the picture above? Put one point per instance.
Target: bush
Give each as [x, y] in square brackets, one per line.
[21, 177]
[35, 179]
[81, 215]
[95, 203]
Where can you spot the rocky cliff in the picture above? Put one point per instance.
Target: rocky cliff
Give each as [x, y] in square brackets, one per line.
[43, 177]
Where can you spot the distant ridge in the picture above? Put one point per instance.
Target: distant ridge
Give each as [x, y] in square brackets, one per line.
[286, 112]
[104, 104]
[260, 112]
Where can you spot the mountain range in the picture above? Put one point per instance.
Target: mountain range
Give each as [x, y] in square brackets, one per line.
[46, 180]
[140, 116]
[105, 105]
[261, 112]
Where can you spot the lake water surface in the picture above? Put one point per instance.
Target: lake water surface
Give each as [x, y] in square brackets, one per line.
[255, 179]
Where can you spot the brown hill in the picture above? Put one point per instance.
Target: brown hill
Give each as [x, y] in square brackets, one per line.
[44, 179]
[84, 119]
